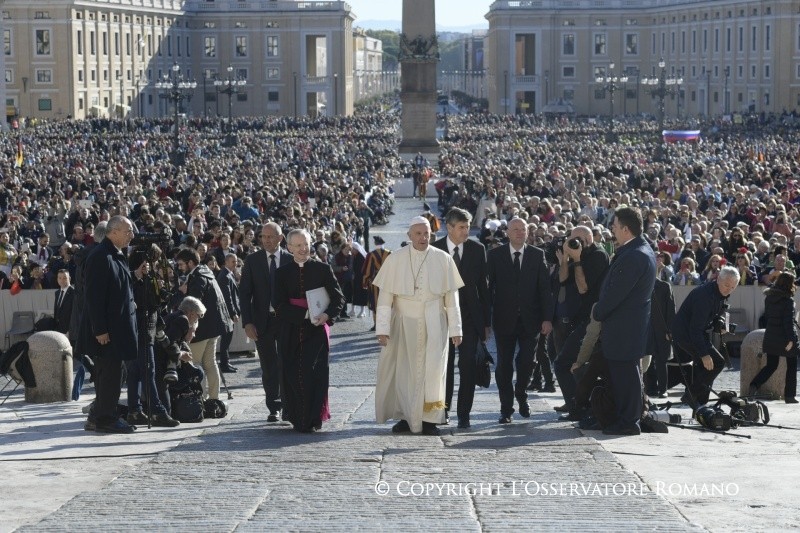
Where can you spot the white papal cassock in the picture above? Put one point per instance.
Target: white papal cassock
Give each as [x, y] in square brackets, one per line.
[418, 309]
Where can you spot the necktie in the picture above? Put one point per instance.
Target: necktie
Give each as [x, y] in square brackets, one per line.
[517, 264]
[272, 268]
[59, 297]
[457, 257]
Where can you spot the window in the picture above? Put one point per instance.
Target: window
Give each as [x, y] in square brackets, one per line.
[599, 94]
[241, 46]
[632, 44]
[241, 73]
[92, 43]
[105, 43]
[9, 75]
[753, 71]
[44, 75]
[116, 43]
[42, 15]
[569, 94]
[568, 72]
[43, 42]
[93, 76]
[272, 96]
[728, 40]
[767, 38]
[241, 97]
[568, 47]
[45, 104]
[599, 44]
[272, 46]
[741, 39]
[80, 75]
[7, 42]
[210, 46]
[80, 103]
[273, 73]
[753, 39]
[766, 71]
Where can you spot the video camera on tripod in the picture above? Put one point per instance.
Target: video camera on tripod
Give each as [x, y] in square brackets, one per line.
[743, 412]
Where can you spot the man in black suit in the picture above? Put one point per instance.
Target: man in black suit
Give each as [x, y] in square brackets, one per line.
[230, 292]
[522, 303]
[258, 313]
[473, 298]
[62, 312]
[624, 311]
[108, 325]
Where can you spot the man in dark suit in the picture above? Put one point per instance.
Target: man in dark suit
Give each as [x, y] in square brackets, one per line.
[230, 292]
[624, 311]
[473, 298]
[108, 325]
[258, 313]
[659, 345]
[522, 303]
[62, 312]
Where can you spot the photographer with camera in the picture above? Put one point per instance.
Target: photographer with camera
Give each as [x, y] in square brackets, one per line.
[700, 315]
[582, 267]
[141, 371]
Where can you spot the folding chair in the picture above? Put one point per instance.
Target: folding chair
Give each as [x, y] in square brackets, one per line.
[21, 324]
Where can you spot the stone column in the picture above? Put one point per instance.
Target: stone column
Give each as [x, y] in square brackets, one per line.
[419, 57]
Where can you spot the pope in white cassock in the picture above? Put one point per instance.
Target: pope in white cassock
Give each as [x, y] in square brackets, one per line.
[417, 311]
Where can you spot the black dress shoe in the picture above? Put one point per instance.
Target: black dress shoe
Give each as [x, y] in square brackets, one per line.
[429, 428]
[615, 429]
[463, 423]
[590, 423]
[90, 426]
[273, 417]
[524, 410]
[534, 387]
[401, 427]
[163, 420]
[790, 400]
[137, 418]
[549, 388]
[562, 408]
[119, 426]
[504, 420]
[228, 369]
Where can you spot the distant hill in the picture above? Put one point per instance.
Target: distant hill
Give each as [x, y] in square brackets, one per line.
[396, 25]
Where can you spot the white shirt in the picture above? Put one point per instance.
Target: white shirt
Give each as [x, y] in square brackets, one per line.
[451, 247]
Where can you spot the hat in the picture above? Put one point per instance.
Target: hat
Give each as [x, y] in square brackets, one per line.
[419, 220]
[378, 239]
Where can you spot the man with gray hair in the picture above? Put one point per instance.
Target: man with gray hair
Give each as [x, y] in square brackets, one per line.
[701, 313]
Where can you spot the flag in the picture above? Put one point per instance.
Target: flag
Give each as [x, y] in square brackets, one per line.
[20, 159]
[672, 136]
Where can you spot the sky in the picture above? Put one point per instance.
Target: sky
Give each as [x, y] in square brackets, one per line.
[448, 12]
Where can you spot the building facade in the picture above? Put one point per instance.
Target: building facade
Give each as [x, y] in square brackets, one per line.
[83, 58]
[733, 56]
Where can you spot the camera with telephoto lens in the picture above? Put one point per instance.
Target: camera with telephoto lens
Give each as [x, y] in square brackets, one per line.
[718, 322]
[713, 418]
[163, 342]
[146, 239]
[557, 244]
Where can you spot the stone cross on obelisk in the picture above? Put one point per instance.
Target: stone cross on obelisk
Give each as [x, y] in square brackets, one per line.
[419, 57]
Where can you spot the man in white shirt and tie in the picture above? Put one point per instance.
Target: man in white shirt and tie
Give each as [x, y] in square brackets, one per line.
[62, 311]
[258, 313]
[42, 253]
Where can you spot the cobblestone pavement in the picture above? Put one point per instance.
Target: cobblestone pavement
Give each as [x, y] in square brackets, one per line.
[244, 474]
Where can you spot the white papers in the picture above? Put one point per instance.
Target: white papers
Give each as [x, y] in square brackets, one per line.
[318, 302]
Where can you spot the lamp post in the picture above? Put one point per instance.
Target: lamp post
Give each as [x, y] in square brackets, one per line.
[727, 98]
[230, 86]
[176, 89]
[610, 84]
[335, 94]
[661, 87]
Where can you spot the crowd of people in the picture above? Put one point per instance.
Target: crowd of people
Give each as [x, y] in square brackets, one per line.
[727, 200]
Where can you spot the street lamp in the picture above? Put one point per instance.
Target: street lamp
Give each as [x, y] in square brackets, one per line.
[727, 98]
[176, 89]
[610, 84]
[230, 86]
[661, 87]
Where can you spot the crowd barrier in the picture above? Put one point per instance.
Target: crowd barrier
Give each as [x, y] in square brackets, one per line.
[746, 303]
[42, 302]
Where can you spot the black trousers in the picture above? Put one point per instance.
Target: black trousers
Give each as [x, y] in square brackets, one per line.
[543, 366]
[107, 379]
[657, 376]
[224, 348]
[504, 371]
[267, 347]
[790, 387]
[466, 372]
[586, 378]
[702, 379]
[566, 358]
[626, 388]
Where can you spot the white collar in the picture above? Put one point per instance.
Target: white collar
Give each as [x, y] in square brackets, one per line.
[451, 246]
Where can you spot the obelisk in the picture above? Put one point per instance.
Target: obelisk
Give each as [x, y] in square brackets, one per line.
[419, 57]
